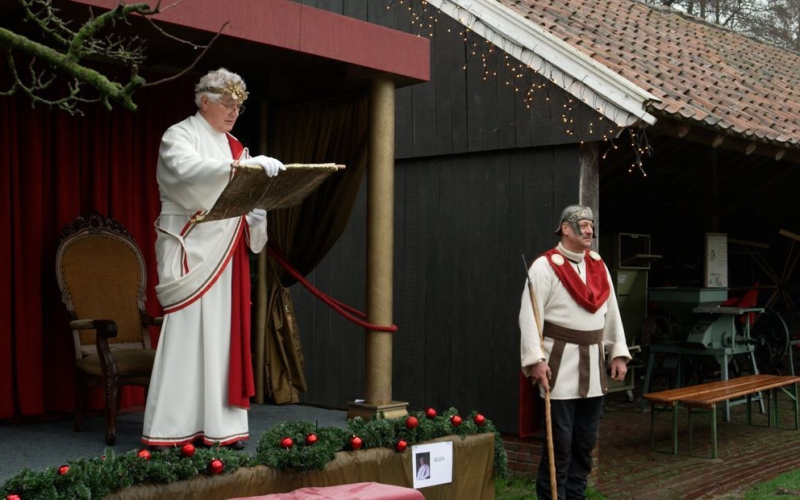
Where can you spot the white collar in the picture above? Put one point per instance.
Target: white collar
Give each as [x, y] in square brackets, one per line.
[572, 256]
[220, 138]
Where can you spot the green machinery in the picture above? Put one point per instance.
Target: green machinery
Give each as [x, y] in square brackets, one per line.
[628, 257]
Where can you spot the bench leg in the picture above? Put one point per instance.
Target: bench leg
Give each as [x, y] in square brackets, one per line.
[652, 427]
[714, 431]
[691, 421]
[675, 428]
[773, 408]
[749, 409]
[792, 393]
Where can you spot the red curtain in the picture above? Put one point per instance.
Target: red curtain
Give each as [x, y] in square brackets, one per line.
[54, 167]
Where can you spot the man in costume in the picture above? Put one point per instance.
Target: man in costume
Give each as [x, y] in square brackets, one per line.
[580, 317]
[202, 380]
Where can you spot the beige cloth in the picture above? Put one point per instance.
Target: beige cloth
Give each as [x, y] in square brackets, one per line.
[473, 476]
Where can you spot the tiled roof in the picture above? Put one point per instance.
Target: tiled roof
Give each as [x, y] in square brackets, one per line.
[704, 74]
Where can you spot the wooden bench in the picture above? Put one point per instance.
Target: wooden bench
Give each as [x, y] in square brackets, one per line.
[707, 396]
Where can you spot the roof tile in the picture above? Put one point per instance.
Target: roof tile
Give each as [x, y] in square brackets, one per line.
[703, 73]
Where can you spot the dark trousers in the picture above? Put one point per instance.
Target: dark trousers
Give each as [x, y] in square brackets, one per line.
[575, 424]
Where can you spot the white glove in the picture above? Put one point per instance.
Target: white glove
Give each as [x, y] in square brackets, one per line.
[271, 165]
[256, 216]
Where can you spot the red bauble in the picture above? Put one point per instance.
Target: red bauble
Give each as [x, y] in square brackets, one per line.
[311, 439]
[401, 446]
[287, 443]
[13, 497]
[356, 442]
[144, 454]
[63, 470]
[430, 413]
[216, 466]
[412, 422]
[479, 419]
[188, 450]
[455, 420]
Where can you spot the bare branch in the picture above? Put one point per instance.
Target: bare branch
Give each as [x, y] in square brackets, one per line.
[65, 51]
[772, 21]
[194, 63]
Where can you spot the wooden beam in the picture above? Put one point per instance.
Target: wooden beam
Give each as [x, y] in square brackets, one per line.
[716, 139]
[748, 243]
[789, 234]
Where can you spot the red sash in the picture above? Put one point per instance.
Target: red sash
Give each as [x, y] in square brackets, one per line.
[240, 372]
[590, 295]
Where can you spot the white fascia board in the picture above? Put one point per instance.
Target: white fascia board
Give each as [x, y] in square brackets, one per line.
[591, 82]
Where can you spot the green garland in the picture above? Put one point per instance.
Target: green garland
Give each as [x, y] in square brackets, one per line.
[311, 448]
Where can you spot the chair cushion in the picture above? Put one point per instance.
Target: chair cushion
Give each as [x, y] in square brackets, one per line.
[129, 361]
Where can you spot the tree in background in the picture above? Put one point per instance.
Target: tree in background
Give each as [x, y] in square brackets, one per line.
[37, 63]
[781, 24]
[773, 21]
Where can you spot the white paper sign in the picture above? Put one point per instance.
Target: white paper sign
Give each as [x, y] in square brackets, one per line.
[432, 464]
[716, 261]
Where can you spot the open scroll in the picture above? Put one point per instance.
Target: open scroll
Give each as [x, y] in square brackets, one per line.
[251, 188]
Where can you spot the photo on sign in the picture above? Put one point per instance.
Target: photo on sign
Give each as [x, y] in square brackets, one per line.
[432, 464]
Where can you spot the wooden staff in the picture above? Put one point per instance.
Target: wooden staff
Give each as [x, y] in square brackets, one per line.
[547, 420]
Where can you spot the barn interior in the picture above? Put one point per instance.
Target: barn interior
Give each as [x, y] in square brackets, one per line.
[687, 193]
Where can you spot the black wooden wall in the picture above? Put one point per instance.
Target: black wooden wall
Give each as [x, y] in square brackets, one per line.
[460, 110]
[462, 223]
[480, 180]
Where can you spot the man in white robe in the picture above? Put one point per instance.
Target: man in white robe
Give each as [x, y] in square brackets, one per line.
[575, 298]
[202, 378]
[423, 469]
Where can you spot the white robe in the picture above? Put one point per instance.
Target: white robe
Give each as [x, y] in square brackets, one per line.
[557, 306]
[188, 395]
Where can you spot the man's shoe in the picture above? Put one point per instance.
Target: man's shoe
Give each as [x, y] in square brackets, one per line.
[237, 445]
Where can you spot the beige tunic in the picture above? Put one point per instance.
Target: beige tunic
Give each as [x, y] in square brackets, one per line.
[557, 306]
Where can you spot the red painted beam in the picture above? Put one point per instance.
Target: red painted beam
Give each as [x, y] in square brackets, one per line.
[288, 25]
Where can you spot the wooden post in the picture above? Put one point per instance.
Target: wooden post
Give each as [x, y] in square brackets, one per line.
[380, 258]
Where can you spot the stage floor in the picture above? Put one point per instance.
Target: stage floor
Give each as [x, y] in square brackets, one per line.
[39, 445]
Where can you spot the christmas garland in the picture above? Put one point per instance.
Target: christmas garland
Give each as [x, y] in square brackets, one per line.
[296, 445]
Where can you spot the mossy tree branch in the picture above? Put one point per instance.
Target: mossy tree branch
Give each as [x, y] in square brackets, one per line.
[64, 52]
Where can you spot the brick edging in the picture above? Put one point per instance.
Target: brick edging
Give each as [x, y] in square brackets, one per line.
[524, 456]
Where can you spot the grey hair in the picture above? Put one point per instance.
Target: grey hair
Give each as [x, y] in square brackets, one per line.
[219, 78]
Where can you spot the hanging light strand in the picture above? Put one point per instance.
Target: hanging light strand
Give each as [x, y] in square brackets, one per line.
[532, 83]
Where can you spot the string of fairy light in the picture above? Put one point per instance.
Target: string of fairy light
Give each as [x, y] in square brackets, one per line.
[526, 80]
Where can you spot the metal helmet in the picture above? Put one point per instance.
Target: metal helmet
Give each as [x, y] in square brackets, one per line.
[573, 214]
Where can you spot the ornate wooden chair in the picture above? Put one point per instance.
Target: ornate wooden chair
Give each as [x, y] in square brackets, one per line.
[102, 277]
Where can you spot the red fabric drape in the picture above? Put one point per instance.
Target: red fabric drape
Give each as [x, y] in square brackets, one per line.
[241, 386]
[54, 167]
